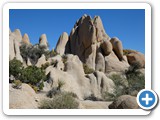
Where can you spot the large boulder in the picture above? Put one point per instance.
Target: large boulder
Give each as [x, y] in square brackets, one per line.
[24, 98]
[124, 102]
[106, 47]
[60, 47]
[112, 63]
[117, 48]
[136, 58]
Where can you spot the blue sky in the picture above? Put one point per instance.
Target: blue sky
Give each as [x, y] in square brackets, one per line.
[128, 25]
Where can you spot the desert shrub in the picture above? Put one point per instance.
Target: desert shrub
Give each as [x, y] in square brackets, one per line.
[35, 88]
[17, 84]
[121, 88]
[53, 53]
[15, 68]
[60, 84]
[61, 101]
[92, 97]
[64, 59]
[25, 51]
[33, 75]
[87, 70]
[44, 66]
[54, 62]
[136, 80]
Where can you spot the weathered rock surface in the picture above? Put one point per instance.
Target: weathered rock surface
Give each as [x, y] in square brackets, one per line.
[136, 58]
[60, 47]
[88, 104]
[100, 63]
[117, 48]
[11, 46]
[76, 81]
[24, 98]
[43, 43]
[41, 61]
[25, 39]
[17, 51]
[124, 102]
[18, 36]
[112, 63]
[106, 47]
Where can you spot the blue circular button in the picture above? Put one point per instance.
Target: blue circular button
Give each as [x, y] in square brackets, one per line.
[147, 99]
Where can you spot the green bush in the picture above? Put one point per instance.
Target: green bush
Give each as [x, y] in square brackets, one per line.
[60, 84]
[44, 66]
[121, 88]
[17, 84]
[15, 68]
[60, 101]
[87, 70]
[33, 75]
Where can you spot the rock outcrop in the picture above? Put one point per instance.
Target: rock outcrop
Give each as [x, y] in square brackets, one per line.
[112, 64]
[25, 39]
[89, 41]
[18, 35]
[43, 43]
[117, 48]
[14, 45]
[24, 98]
[136, 58]
[60, 47]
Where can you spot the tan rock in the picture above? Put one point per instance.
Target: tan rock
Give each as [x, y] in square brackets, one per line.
[11, 46]
[23, 98]
[29, 62]
[18, 36]
[136, 57]
[112, 63]
[17, 51]
[43, 43]
[124, 102]
[88, 104]
[60, 47]
[117, 48]
[106, 47]
[100, 63]
[25, 39]
[100, 32]
[41, 61]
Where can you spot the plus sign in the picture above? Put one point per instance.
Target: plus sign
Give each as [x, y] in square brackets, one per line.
[147, 99]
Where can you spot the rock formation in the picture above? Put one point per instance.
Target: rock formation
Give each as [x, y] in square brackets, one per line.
[90, 42]
[136, 58]
[25, 39]
[60, 47]
[87, 45]
[14, 44]
[18, 36]
[43, 43]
